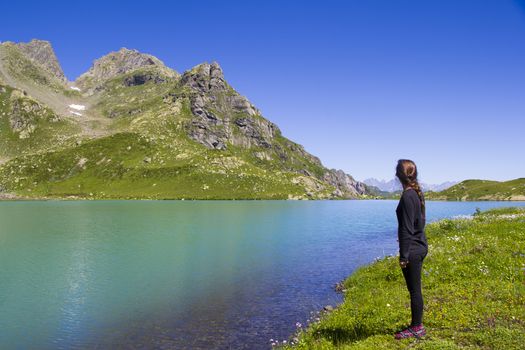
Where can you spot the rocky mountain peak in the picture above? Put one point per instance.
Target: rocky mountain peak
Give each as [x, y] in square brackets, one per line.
[41, 52]
[221, 116]
[121, 62]
[212, 70]
[205, 77]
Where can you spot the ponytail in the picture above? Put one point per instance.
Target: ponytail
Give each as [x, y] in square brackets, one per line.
[415, 185]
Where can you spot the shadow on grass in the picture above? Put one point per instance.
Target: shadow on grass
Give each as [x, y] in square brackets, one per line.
[339, 336]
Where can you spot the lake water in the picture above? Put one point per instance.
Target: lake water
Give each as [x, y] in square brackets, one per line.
[185, 275]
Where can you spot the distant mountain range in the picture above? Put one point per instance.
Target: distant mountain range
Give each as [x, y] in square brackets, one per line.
[131, 127]
[394, 185]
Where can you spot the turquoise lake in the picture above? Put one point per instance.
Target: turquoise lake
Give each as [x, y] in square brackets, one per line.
[183, 274]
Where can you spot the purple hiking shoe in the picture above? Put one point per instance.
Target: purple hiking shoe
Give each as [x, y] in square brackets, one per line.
[412, 331]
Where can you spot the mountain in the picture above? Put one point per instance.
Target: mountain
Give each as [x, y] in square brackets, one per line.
[394, 185]
[438, 187]
[377, 193]
[131, 127]
[482, 190]
[383, 185]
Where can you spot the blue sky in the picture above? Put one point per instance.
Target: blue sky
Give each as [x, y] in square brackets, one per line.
[359, 83]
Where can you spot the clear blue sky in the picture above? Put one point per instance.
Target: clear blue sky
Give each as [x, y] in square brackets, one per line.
[358, 83]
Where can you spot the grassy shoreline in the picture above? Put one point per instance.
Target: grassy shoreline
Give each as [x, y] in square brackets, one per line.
[473, 285]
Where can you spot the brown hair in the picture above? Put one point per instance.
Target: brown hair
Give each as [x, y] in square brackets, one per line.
[406, 171]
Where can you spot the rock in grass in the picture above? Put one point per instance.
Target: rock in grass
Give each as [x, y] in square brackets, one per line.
[328, 308]
[339, 287]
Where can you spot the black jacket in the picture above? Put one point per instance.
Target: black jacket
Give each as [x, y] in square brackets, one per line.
[411, 225]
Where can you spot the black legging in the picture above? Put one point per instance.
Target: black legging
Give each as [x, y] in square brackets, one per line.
[412, 275]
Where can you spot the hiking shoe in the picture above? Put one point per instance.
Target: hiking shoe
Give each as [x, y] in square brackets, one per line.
[412, 331]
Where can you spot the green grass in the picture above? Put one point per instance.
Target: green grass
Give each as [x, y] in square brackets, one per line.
[116, 167]
[473, 286]
[483, 190]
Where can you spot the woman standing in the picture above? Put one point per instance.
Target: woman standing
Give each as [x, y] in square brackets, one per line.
[413, 245]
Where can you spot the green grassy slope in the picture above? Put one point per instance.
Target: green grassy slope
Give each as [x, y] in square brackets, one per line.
[130, 165]
[38, 127]
[483, 190]
[473, 286]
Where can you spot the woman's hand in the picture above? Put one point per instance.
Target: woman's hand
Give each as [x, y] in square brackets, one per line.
[403, 264]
